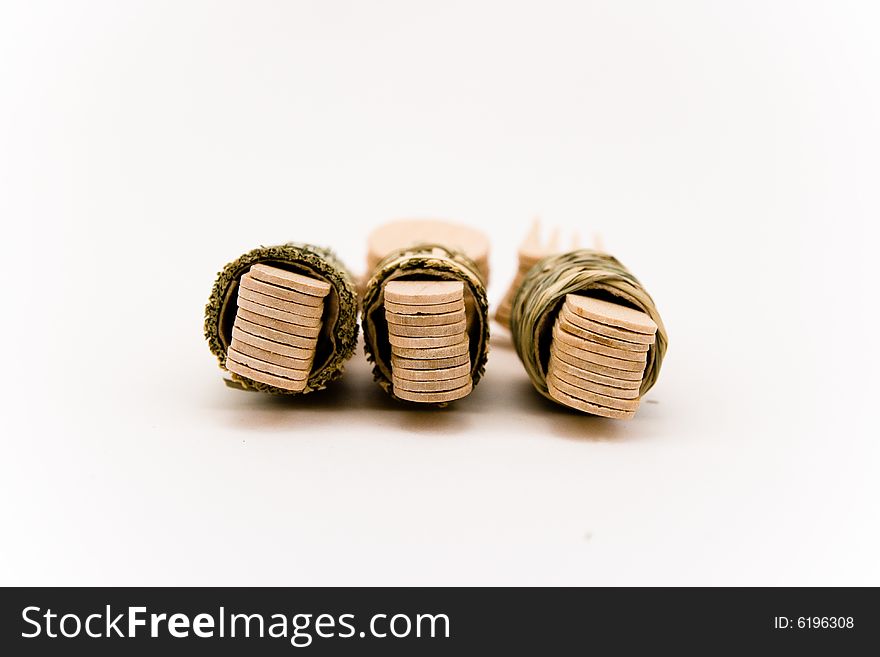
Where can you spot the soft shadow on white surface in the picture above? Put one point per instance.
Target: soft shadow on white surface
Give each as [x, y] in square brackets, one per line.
[504, 397]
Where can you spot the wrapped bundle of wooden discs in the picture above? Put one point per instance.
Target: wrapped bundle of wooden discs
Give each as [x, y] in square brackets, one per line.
[426, 324]
[588, 333]
[283, 319]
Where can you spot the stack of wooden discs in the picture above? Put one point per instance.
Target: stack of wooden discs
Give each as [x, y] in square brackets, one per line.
[276, 327]
[598, 355]
[430, 350]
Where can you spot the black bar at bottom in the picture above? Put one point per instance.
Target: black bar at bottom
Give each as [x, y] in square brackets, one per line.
[423, 621]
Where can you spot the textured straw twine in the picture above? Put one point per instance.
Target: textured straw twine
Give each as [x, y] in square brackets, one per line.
[419, 262]
[339, 328]
[542, 293]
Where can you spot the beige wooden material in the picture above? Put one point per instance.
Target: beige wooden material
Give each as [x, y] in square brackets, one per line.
[398, 341]
[281, 304]
[249, 282]
[276, 335]
[612, 314]
[279, 315]
[426, 331]
[530, 251]
[439, 385]
[584, 406]
[431, 309]
[606, 330]
[442, 319]
[598, 359]
[434, 397]
[240, 335]
[402, 234]
[265, 366]
[559, 365]
[295, 385]
[277, 324]
[570, 327]
[591, 386]
[592, 397]
[572, 340]
[423, 293]
[439, 374]
[430, 363]
[271, 357]
[305, 284]
[580, 363]
[434, 352]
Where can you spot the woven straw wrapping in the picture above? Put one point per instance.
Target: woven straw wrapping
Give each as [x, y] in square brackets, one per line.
[424, 261]
[542, 293]
[339, 329]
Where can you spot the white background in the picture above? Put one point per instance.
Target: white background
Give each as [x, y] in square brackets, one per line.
[727, 153]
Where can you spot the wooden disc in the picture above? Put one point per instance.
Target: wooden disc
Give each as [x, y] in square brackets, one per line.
[441, 385]
[274, 335]
[580, 363]
[592, 397]
[435, 309]
[605, 330]
[591, 386]
[586, 407]
[569, 326]
[305, 284]
[429, 364]
[280, 304]
[435, 397]
[441, 319]
[265, 366]
[423, 293]
[612, 314]
[271, 357]
[588, 345]
[295, 385]
[427, 331]
[433, 352]
[251, 283]
[277, 324]
[273, 313]
[401, 234]
[239, 334]
[599, 359]
[439, 374]
[560, 365]
[426, 342]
